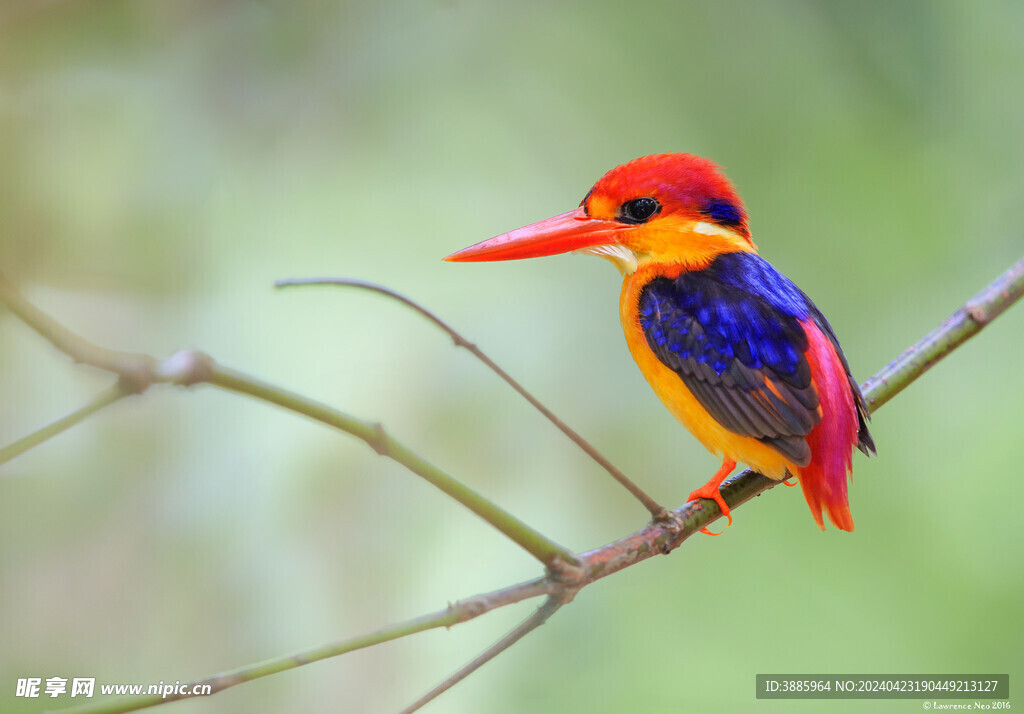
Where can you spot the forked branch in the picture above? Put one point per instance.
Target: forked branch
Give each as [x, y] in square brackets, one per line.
[567, 573]
[656, 510]
[188, 368]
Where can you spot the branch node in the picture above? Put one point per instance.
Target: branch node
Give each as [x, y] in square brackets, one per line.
[465, 610]
[136, 375]
[461, 341]
[186, 368]
[977, 313]
[566, 577]
[379, 441]
[673, 526]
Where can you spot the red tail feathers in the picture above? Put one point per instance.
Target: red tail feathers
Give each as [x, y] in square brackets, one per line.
[832, 440]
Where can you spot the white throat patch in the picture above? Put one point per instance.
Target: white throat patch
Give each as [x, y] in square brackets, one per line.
[623, 258]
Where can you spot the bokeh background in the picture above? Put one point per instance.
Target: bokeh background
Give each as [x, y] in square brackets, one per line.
[163, 162]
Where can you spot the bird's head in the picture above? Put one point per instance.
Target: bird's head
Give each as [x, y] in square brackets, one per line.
[671, 209]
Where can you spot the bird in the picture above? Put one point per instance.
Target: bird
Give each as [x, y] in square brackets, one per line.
[733, 348]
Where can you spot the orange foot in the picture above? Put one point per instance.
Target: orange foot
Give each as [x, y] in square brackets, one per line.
[710, 491]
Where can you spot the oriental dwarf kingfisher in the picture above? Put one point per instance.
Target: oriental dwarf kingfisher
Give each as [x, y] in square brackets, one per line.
[737, 352]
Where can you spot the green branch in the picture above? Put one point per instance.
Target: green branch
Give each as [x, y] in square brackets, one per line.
[139, 372]
[454, 614]
[133, 369]
[963, 324]
[567, 573]
[545, 550]
[538, 618]
[656, 510]
[104, 398]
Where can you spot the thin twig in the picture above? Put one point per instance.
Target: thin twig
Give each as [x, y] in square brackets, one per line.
[454, 614]
[538, 618]
[656, 510]
[131, 368]
[191, 367]
[963, 324]
[551, 554]
[108, 396]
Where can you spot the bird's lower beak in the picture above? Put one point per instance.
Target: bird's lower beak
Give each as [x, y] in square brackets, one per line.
[563, 233]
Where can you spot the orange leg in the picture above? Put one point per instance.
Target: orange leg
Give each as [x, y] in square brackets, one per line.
[710, 491]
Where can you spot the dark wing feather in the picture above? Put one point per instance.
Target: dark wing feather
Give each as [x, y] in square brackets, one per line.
[741, 355]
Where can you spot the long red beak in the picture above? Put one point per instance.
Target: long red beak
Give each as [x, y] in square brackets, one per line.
[569, 231]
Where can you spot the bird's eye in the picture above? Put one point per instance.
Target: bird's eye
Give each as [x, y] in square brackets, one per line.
[638, 210]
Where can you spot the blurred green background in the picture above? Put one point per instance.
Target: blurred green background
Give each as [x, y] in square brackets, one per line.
[163, 162]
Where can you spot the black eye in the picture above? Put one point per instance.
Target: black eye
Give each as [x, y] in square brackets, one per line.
[638, 210]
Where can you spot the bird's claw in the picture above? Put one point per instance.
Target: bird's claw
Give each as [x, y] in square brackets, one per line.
[712, 494]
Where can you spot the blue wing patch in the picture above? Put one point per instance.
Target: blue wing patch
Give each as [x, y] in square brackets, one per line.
[732, 333]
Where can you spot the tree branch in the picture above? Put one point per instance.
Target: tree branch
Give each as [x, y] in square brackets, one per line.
[139, 372]
[656, 510]
[454, 614]
[107, 396]
[133, 369]
[536, 544]
[963, 324]
[566, 575]
[538, 618]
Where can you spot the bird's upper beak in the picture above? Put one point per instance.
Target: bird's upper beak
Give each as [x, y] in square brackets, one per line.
[568, 231]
